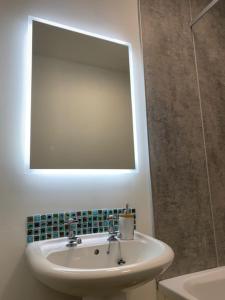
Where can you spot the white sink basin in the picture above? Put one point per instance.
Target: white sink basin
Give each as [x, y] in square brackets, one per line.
[87, 269]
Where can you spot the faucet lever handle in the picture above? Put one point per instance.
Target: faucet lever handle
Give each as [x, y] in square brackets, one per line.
[111, 228]
[72, 221]
[111, 217]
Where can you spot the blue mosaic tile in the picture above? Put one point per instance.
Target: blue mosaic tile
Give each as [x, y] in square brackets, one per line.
[55, 234]
[95, 212]
[53, 225]
[37, 218]
[49, 217]
[30, 238]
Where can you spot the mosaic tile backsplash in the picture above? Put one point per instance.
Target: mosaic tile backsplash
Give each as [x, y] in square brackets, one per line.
[54, 225]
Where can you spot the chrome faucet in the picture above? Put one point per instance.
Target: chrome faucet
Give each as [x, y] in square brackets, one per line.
[73, 239]
[111, 229]
[112, 233]
[114, 236]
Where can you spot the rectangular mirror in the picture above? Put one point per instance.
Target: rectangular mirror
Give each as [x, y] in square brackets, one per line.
[81, 108]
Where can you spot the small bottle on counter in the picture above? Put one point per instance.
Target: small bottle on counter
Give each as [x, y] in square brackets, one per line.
[126, 225]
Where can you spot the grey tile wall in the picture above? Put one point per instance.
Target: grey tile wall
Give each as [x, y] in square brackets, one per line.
[181, 193]
[209, 35]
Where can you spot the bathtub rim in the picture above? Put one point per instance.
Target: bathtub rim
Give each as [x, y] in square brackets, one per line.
[179, 287]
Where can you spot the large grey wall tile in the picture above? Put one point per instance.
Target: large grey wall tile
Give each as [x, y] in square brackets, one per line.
[209, 35]
[178, 167]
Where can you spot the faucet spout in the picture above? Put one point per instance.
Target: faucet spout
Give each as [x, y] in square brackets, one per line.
[112, 232]
[73, 239]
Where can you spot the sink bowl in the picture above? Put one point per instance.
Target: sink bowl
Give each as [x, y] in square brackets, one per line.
[87, 269]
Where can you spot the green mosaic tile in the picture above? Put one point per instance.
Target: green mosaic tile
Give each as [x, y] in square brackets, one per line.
[55, 234]
[95, 229]
[61, 228]
[54, 225]
[43, 230]
[89, 224]
[43, 237]
[30, 225]
[73, 215]
[43, 224]
[55, 222]
[49, 229]
[95, 224]
[84, 213]
[66, 219]
[55, 216]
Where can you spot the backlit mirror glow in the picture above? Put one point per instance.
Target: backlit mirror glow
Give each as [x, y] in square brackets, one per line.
[81, 102]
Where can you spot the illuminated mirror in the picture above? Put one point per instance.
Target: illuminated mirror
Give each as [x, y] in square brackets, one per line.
[81, 108]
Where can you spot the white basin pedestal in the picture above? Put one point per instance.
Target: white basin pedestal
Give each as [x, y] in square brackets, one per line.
[87, 270]
[119, 296]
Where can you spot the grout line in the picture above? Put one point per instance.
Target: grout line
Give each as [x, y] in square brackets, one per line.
[204, 140]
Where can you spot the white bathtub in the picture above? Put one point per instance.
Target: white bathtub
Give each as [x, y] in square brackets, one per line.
[204, 285]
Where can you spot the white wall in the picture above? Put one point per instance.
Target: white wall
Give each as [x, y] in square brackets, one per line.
[22, 195]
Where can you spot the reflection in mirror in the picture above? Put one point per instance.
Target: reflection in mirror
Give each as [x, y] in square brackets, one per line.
[81, 112]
